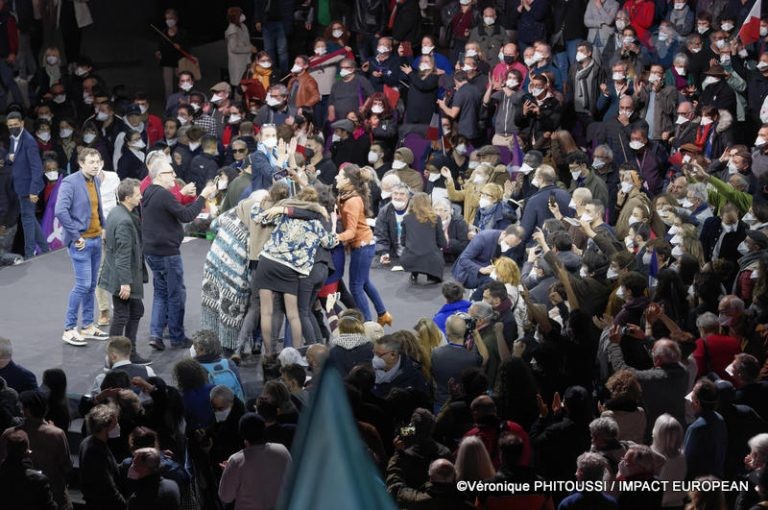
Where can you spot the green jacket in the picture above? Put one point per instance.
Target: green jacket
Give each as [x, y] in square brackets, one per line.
[720, 192]
[123, 258]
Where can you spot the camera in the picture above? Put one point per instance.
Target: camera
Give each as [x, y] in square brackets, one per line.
[470, 321]
[406, 432]
[625, 330]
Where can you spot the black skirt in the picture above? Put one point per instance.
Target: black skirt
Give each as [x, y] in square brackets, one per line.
[276, 277]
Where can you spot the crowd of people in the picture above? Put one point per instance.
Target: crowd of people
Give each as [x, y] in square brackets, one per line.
[584, 182]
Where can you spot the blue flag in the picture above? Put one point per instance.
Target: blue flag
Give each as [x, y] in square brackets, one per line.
[653, 270]
[331, 468]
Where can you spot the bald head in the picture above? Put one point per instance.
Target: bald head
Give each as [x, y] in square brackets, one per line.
[665, 352]
[455, 328]
[442, 471]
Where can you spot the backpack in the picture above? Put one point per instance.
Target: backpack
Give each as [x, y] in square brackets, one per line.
[220, 373]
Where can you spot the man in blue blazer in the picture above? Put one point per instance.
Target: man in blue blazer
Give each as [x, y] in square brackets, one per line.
[473, 267]
[78, 209]
[27, 171]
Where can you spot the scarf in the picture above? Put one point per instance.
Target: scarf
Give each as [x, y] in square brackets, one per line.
[261, 75]
[680, 81]
[383, 377]
[584, 89]
[702, 135]
[271, 154]
[54, 74]
[346, 195]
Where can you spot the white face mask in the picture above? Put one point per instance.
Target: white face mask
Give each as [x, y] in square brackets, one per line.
[377, 108]
[725, 59]
[186, 86]
[470, 52]
[425, 67]
[59, 99]
[580, 57]
[654, 78]
[687, 158]
[695, 50]
[676, 240]
[222, 415]
[762, 65]
[467, 68]
[633, 220]
[44, 135]
[663, 36]
[538, 56]
[597, 164]
[681, 120]
[636, 145]
[242, 18]
[728, 228]
[89, 137]
[433, 177]
[337, 33]
[461, 149]
[222, 184]
[626, 113]
[529, 62]
[677, 252]
[709, 80]
[621, 24]
[102, 116]
[345, 72]
[629, 242]
[749, 218]
[485, 202]
[576, 174]
[271, 101]
[426, 50]
[763, 31]
[647, 258]
[271, 142]
[65, 133]
[620, 293]
[399, 204]
[732, 168]
[572, 204]
[489, 20]
[378, 363]
[680, 70]
[583, 272]
[114, 433]
[706, 121]
[373, 157]
[138, 144]
[235, 118]
[536, 92]
[727, 27]
[296, 69]
[679, 6]
[52, 175]
[674, 230]
[702, 29]
[611, 273]
[183, 121]
[759, 141]
[686, 203]
[382, 50]
[626, 187]
[512, 84]
[320, 50]
[743, 248]
[265, 64]
[397, 165]
[504, 247]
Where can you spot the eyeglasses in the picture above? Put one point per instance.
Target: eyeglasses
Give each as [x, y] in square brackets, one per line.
[239, 151]
[382, 354]
[171, 172]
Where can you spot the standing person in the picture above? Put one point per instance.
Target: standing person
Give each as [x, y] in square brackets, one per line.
[169, 53]
[79, 211]
[98, 468]
[162, 233]
[22, 486]
[27, 172]
[124, 272]
[274, 19]
[239, 47]
[108, 191]
[353, 200]
[422, 239]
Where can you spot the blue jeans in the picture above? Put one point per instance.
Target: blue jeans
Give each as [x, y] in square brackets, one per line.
[85, 264]
[360, 284]
[33, 234]
[170, 296]
[567, 58]
[276, 43]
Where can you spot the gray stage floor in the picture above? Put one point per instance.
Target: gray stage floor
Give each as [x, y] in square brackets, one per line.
[33, 303]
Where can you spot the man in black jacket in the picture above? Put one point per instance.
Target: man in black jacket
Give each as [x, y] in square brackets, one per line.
[98, 469]
[21, 485]
[204, 166]
[162, 233]
[148, 489]
[344, 148]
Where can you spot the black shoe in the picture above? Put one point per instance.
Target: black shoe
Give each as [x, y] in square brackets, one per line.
[414, 278]
[186, 343]
[138, 360]
[433, 280]
[157, 343]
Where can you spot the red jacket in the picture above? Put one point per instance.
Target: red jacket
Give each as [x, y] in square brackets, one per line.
[721, 351]
[155, 131]
[641, 14]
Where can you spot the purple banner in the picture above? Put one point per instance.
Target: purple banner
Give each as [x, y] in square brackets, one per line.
[52, 230]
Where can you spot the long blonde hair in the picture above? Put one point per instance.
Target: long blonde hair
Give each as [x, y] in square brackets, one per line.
[473, 463]
[421, 208]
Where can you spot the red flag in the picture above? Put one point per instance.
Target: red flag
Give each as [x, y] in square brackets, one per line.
[433, 131]
[750, 30]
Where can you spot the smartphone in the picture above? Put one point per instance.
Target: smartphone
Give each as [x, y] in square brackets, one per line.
[282, 174]
[552, 200]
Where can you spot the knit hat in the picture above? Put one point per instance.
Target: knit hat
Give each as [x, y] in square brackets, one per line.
[758, 238]
[406, 155]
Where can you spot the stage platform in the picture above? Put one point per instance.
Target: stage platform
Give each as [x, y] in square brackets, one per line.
[33, 299]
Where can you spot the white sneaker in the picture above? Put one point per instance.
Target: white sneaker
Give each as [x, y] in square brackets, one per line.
[72, 337]
[94, 333]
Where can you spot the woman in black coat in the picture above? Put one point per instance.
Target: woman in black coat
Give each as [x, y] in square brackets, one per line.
[455, 230]
[421, 235]
[423, 92]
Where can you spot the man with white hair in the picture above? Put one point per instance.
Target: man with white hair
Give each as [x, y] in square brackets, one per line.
[388, 225]
[162, 234]
[590, 467]
[16, 376]
[580, 197]
[755, 462]
[695, 203]
[664, 386]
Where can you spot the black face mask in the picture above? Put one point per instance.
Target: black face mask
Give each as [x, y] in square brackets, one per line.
[508, 59]
[16, 131]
